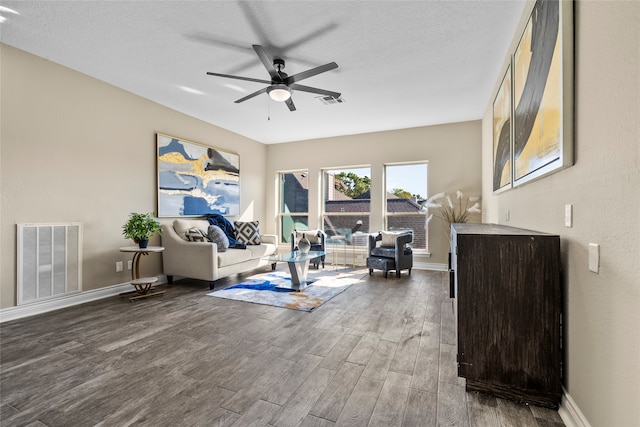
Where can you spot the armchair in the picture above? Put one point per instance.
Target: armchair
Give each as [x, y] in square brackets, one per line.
[392, 253]
[315, 237]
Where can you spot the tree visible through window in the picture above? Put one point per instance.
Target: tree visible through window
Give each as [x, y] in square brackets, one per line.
[347, 205]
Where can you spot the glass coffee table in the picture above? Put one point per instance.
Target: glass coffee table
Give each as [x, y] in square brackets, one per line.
[298, 266]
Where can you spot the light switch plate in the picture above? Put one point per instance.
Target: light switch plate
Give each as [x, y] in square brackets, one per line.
[568, 215]
[594, 257]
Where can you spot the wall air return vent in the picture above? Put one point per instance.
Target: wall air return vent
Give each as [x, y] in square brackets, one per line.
[49, 261]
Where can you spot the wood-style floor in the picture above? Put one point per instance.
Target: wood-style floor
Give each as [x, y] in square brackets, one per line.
[380, 354]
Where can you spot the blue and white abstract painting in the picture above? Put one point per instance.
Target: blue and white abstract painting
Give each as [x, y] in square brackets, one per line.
[195, 180]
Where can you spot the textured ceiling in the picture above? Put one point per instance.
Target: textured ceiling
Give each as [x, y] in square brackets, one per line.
[401, 63]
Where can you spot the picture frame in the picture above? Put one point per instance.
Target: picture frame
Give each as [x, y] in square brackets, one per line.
[502, 134]
[196, 179]
[542, 70]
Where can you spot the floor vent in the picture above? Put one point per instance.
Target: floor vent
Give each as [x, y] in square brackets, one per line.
[49, 261]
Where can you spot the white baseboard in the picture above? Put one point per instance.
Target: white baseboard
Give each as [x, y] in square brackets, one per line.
[430, 266]
[571, 415]
[416, 265]
[32, 309]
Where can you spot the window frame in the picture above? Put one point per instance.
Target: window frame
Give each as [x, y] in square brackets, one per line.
[323, 199]
[280, 202]
[419, 213]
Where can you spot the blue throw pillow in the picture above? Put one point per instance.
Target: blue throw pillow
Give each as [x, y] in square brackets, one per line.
[217, 236]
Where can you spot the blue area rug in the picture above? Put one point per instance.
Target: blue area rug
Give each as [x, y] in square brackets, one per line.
[261, 289]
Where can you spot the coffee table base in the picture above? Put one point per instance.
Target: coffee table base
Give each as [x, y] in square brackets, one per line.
[299, 272]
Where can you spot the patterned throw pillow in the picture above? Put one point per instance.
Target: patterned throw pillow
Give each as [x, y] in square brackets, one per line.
[217, 236]
[196, 235]
[248, 232]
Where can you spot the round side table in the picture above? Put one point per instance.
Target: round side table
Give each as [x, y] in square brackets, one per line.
[138, 252]
[143, 285]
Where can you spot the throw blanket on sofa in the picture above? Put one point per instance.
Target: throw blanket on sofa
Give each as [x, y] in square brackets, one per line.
[225, 225]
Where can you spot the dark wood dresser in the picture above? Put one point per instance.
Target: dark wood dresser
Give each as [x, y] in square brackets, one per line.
[508, 311]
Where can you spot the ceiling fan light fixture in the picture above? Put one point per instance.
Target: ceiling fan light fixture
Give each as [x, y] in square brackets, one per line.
[279, 92]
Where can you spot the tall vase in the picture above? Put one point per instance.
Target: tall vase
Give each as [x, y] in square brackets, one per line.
[303, 244]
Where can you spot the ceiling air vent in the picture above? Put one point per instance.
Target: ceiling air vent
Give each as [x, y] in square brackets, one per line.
[328, 100]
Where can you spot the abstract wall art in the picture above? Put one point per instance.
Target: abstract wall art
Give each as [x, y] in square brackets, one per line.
[502, 134]
[533, 107]
[195, 179]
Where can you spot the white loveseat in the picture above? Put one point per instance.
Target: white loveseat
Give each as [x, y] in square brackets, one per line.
[202, 260]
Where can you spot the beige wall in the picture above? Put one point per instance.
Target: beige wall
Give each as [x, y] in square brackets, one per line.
[453, 152]
[77, 149]
[602, 311]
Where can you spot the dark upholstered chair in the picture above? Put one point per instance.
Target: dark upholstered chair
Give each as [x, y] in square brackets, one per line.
[315, 237]
[389, 251]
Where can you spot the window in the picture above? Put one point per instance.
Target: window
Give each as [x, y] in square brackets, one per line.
[406, 189]
[294, 203]
[346, 205]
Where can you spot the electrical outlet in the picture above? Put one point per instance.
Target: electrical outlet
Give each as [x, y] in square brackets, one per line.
[507, 215]
[118, 266]
[129, 265]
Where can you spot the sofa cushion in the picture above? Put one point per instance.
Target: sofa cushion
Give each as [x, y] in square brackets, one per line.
[264, 249]
[181, 226]
[385, 252]
[217, 236]
[194, 234]
[233, 256]
[248, 232]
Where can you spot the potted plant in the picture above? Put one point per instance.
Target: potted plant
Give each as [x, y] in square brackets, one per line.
[140, 227]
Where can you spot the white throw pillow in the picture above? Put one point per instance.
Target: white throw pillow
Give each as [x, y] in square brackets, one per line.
[389, 238]
[313, 236]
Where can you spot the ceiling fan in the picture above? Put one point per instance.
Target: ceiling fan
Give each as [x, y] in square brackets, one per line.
[281, 84]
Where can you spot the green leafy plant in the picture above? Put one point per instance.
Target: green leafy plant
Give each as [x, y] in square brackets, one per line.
[140, 226]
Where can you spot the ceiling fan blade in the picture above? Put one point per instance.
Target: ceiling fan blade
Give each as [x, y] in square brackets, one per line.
[249, 79]
[202, 37]
[312, 35]
[267, 62]
[251, 95]
[310, 73]
[310, 89]
[290, 104]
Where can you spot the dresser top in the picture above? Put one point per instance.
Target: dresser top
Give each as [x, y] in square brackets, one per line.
[503, 230]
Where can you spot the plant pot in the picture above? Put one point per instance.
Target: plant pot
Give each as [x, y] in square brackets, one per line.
[143, 243]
